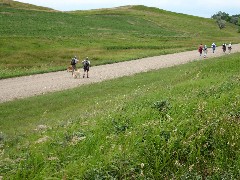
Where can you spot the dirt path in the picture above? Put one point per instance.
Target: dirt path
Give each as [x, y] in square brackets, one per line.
[22, 87]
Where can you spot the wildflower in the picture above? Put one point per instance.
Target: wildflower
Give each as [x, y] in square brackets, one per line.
[120, 148]
[2, 152]
[42, 140]
[177, 163]
[85, 123]
[76, 139]
[53, 158]
[113, 146]
[101, 147]
[216, 169]
[41, 127]
[222, 131]
[191, 167]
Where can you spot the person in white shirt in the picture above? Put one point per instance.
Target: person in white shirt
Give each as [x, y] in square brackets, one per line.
[205, 50]
[213, 47]
[229, 47]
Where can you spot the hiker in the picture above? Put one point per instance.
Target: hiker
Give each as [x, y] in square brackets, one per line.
[86, 65]
[74, 61]
[205, 50]
[213, 47]
[229, 47]
[200, 49]
[224, 46]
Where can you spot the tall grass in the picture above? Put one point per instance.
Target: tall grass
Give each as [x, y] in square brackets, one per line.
[176, 123]
[33, 41]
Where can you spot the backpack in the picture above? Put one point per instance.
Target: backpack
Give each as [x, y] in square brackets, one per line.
[73, 61]
[86, 63]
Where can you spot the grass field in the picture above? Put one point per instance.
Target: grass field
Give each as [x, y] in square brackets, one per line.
[36, 40]
[175, 123]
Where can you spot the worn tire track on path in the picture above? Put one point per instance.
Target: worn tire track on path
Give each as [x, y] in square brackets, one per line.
[27, 86]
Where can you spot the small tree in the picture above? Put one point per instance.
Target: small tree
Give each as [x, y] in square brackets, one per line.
[234, 20]
[224, 16]
[221, 23]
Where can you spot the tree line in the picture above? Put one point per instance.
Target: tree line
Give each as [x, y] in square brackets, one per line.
[222, 17]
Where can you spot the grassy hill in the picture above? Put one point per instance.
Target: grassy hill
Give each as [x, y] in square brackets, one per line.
[176, 123]
[20, 5]
[34, 41]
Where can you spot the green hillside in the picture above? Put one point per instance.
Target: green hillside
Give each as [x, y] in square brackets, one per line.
[180, 122]
[33, 41]
[175, 123]
[20, 5]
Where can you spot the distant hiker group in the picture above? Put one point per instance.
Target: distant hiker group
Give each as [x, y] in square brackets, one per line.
[224, 47]
[85, 66]
[204, 49]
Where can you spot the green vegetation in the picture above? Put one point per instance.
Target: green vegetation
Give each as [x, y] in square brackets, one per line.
[226, 17]
[20, 5]
[239, 25]
[35, 40]
[176, 123]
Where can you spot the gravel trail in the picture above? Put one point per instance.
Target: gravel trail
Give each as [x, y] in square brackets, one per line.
[22, 87]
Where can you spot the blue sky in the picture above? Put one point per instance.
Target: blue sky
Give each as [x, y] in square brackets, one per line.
[202, 8]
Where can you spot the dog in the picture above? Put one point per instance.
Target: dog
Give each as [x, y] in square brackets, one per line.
[69, 69]
[76, 74]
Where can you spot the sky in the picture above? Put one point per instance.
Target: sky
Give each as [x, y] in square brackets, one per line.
[202, 8]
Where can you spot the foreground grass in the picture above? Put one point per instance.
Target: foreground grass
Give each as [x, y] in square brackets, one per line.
[179, 122]
[34, 41]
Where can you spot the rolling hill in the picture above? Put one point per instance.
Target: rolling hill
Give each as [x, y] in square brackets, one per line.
[20, 5]
[180, 122]
[35, 41]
